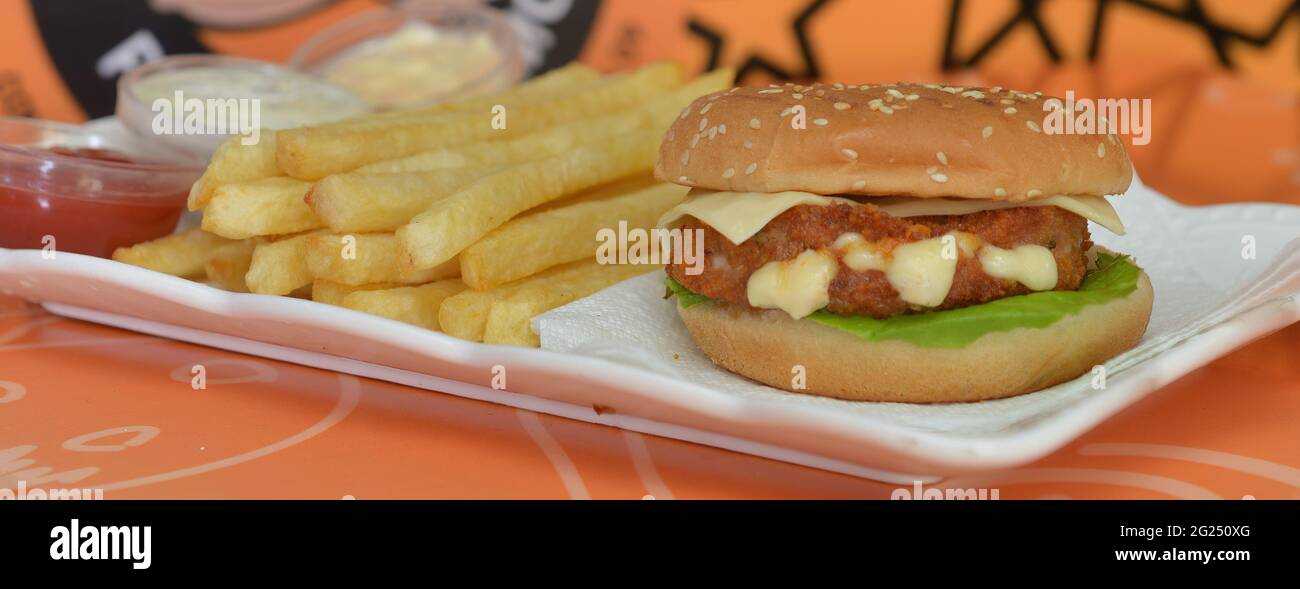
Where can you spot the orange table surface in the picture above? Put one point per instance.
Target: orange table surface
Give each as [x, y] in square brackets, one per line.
[84, 405]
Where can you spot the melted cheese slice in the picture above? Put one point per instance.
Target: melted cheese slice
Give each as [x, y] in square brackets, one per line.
[798, 286]
[1030, 265]
[740, 215]
[922, 271]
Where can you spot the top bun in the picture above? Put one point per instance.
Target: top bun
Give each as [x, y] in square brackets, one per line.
[921, 140]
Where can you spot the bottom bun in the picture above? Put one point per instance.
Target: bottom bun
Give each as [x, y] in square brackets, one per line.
[767, 345]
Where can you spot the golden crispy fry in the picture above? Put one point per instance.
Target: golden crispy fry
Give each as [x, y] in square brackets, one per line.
[179, 254]
[333, 293]
[453, 223]
[566, 79]
[355, 202]
[229, 264]
[311, 153]
[465, 315]
[560, 235]
[235, 162]
[272, 206]
[279, 267]
[417, 305]
[657, 114]
[509, 317]
[366, 258]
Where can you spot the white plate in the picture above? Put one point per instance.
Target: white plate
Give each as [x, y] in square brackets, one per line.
[1208, 302]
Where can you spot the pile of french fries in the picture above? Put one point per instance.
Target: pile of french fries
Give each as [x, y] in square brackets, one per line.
[470, 218]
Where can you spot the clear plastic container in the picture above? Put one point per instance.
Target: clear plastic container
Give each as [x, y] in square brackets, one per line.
[70, 189]
[286, 98]
[417, 53]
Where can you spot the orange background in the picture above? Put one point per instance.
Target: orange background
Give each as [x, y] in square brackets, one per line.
[1220, 134]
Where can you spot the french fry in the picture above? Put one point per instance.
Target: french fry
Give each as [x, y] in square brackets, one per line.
[355, 202]
[453, 223]
[279, 267]
[311, 153]
[417, 305]
[508, 320]
[657, 114]
[560, 235]
[235, 162]
[180, 254]
[229, 264]
[333, 293]
[366, 258]
[562, 80]
[271, 206]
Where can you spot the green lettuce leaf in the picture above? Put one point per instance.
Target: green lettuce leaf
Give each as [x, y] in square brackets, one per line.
[1114, 278]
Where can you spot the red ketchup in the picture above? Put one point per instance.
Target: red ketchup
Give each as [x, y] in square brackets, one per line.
[86, 200]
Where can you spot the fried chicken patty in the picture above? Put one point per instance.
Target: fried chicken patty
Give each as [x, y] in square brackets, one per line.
[728, 266]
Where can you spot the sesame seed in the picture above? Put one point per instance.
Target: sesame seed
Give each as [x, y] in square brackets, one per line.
[1101, 150]
[797, 96]
[995, 89]
[838, 85]
[841, 106]
[821, 93]
[750, 168]
[685, 111]
[887, 110]
[1007, 101]
[931, 169]
[695, 139]
[1033, 126]
[706, 108]
[849, 153]
[786, 112]
[713, 133]
[704, 122]
[749, 144]
[1034, 192]
[911, 97]
[976, 94]
[686, 157]
[940, 178]
[943, 158]
[821, 122]
[860, 184]
[986, 132]
[722, 129]
[770, 91]
[999, 191]
[755, 124]
[682, 179]
[1010, 110]
[875, 103]
[729, 172]
[894, 93]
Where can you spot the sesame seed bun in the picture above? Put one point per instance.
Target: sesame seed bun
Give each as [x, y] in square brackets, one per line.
[894, 139]
[766, 345]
